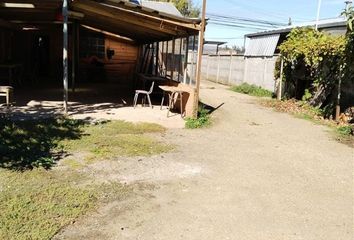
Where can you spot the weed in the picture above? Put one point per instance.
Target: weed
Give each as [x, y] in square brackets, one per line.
[345, 130]
[116, 139]
[252, 90]
[202, 120]
[37, 204]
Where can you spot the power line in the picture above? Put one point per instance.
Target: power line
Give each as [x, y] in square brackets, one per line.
[243, 19]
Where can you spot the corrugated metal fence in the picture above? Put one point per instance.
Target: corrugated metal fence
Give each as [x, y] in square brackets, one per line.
[234, 70]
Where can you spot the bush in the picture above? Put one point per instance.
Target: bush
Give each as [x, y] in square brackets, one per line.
[202, 120]
[252, 90]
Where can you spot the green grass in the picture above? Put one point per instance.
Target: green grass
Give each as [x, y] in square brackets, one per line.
[38, 200]
[41, 143]
[30, 144]
[345, 130]
[252, 90]
[37, 204]
[203, 119]
[116, 139]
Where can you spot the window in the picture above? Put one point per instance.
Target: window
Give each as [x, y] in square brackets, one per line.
[92, 44]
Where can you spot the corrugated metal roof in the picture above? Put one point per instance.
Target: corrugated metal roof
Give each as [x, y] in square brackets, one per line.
[262, 46]
[324, 23]
[164, 7]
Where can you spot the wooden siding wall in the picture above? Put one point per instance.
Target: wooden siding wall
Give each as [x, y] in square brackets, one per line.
[121, 67]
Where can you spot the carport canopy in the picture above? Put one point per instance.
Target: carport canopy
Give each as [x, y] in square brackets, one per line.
[141, 24]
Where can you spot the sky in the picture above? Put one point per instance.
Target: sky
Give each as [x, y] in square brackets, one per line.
[268, 10]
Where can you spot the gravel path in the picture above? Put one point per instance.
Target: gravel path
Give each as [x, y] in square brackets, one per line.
[255, 174]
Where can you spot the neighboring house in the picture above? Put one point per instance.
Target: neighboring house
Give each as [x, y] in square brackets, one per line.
[212, 47]
[265, 43]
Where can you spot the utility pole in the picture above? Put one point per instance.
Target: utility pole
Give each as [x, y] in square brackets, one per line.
[199, 61]
[65, 54]
[318, 13]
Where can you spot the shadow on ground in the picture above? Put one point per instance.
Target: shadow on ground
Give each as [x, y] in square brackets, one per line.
[29, 144]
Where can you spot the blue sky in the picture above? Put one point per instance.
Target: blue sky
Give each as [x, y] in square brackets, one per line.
[270, 10]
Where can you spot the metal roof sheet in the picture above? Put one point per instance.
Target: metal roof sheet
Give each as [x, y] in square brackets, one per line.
[262, 46]
[162, 7]
[324, 23]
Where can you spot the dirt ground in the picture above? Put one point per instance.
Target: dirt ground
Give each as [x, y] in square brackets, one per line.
[255, 174]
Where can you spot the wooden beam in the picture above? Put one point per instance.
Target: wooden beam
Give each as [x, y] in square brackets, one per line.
[125, 39]
[123, 29]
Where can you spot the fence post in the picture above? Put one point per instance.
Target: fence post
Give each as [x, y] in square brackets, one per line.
[207, 71]
[245, 71]
[218, 70]
[230, 70]
[264, 72]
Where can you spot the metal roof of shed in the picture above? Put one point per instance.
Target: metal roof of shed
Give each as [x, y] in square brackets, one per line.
[162, 7]
[324, 23]
[262, 46]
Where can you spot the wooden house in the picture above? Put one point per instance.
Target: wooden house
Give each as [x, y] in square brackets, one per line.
[108, 42]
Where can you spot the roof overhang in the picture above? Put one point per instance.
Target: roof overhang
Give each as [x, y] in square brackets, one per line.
[133, 21]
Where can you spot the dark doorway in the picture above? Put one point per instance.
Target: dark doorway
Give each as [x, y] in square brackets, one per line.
[40, 58]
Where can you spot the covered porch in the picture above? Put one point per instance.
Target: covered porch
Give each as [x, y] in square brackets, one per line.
[113, 47]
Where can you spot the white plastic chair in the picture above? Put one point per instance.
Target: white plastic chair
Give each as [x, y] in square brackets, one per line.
[147, 93]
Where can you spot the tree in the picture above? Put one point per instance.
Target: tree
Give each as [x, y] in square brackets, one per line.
[186, 7]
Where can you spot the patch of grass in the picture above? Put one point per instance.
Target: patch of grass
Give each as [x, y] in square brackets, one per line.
[37, 204]
[29, 144]
[201, 121]
[116, 139]
[345, 130]
[252, 90]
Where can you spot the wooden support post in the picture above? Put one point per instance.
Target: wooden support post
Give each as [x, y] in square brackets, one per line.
[193, 63]
[173, 63]
[65, 54]
[166, 73]
[162, 58]
[185, 70]
[157, 59]
[199, 60]
[73, 54]
[280, 83]
[180, 68]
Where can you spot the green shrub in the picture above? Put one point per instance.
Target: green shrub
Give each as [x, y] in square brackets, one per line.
[345, 130]
[252, 90]
[202, 120]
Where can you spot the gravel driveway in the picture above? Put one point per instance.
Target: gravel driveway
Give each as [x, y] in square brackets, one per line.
[255, 174]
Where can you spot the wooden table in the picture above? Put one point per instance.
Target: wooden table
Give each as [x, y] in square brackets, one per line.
[11, 68]
[6, 91]
[151, 78]
[172, 91]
